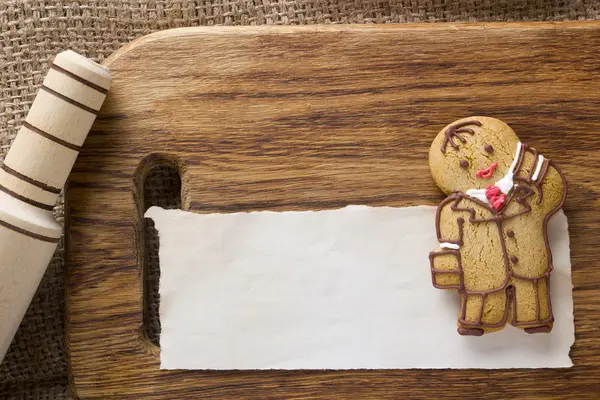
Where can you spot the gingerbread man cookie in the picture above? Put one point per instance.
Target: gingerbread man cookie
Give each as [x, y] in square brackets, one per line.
[492, 227]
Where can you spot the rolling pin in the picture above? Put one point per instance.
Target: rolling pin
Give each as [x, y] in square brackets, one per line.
[33, 174]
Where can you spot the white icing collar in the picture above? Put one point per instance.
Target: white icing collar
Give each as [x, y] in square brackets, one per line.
[506, 183]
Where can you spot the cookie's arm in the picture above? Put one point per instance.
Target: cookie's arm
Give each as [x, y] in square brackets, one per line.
[449, 223]
[445, 261]
[446, 269]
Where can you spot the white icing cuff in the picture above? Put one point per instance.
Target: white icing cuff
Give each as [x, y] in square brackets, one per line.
[446, 245]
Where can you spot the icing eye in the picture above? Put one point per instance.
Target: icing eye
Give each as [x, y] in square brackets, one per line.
[489, 148]
[464, 164]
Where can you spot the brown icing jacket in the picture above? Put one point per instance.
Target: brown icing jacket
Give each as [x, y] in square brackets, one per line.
[499, 247]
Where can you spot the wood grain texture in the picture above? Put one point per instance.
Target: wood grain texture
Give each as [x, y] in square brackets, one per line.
[303, 118]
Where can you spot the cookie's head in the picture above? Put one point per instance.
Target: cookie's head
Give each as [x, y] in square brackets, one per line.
[471, 153]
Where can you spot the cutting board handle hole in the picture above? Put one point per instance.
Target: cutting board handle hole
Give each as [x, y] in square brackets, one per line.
[158, 184]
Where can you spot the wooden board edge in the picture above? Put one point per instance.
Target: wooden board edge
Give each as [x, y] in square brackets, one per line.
[303, 29]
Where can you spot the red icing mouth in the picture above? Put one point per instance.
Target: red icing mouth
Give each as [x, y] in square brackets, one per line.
[487, 172]
[495, 196]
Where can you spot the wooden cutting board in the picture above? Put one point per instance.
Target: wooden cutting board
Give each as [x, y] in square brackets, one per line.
[307, 118]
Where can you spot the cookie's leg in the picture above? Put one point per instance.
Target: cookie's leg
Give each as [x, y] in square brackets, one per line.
[481, 313]
[532, 307]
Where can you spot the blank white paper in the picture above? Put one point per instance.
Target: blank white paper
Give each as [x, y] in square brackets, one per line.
[336, 289]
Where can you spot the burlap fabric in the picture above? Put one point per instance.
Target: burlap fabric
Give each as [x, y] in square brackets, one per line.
[32, 32]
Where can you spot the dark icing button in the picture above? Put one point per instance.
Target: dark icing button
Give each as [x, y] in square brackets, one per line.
[514, 259]
[489, 148]
[510, 233]
[464, 164]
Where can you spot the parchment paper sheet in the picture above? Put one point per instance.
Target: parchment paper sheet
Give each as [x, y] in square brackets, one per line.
[336, 289]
